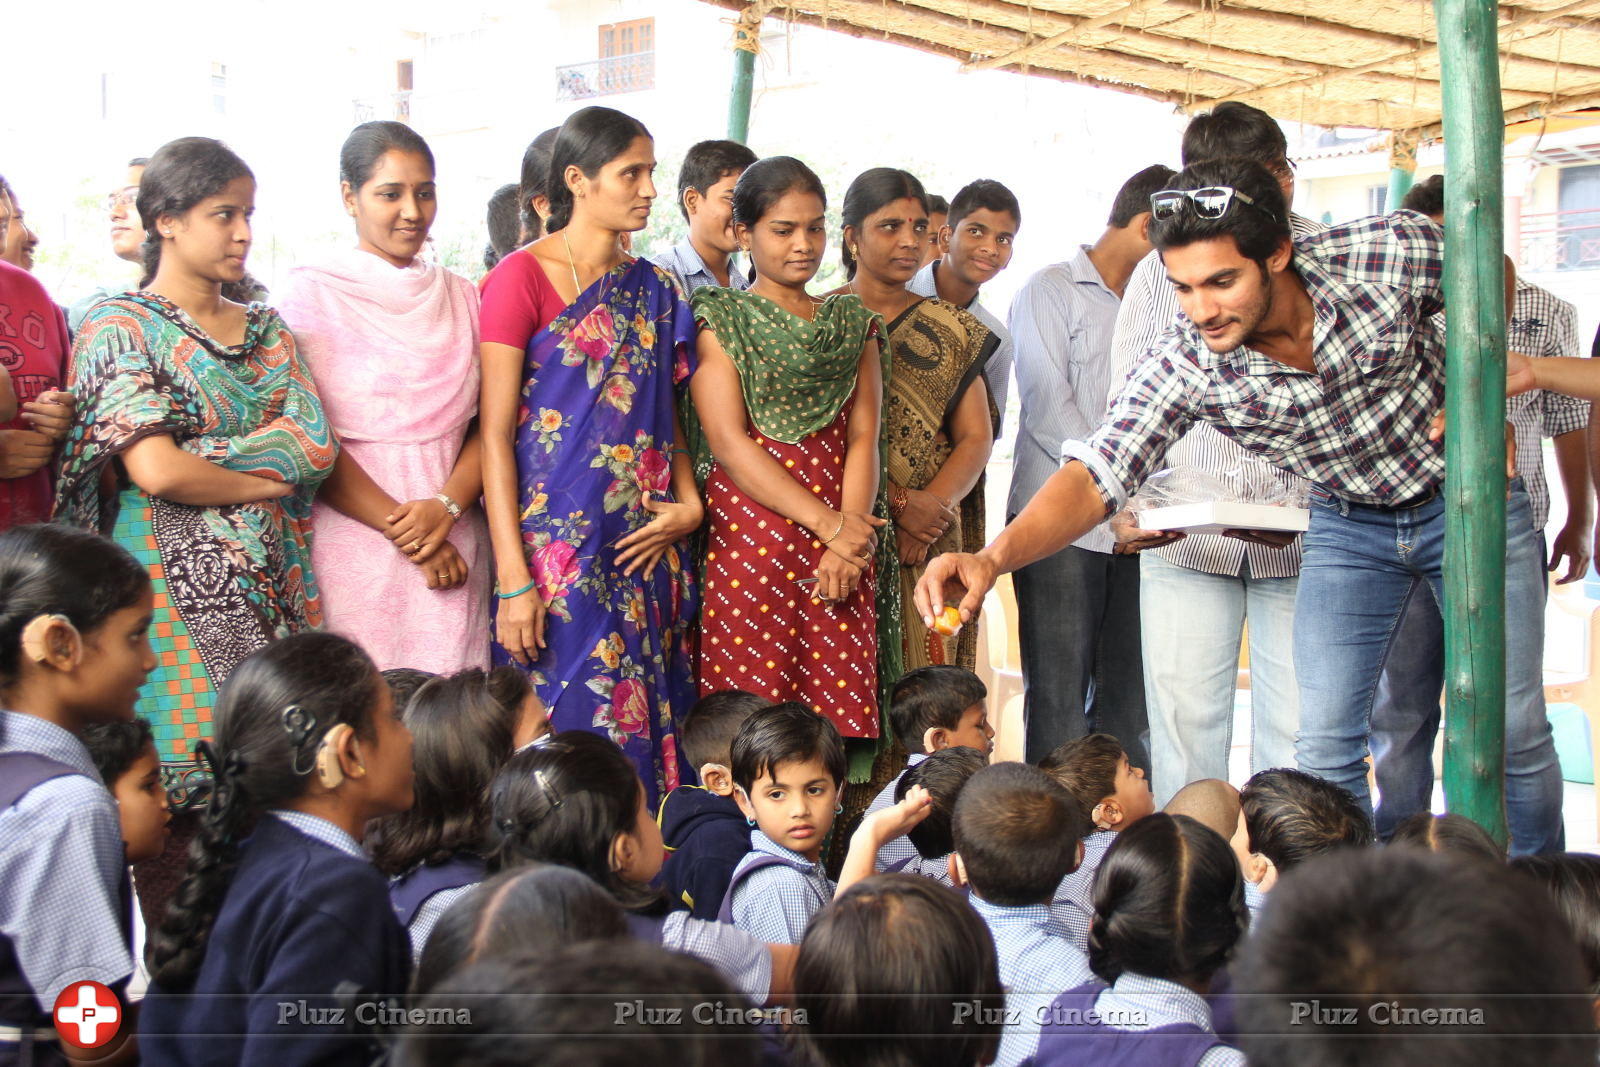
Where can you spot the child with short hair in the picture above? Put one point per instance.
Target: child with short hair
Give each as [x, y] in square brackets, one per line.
[932, 709]
[1017, 834]
[921, 965]
[706, 179]
[1393, 957]
[578, 802]
[534, 908]
[1449, 832]
[125, 755]
[789, 767]
[279, 903]
[1169, 911]
[1209, 801]
[704, 830]
[1112, 794]
[463, 728]
[1286, 816]
[1573, 881]
[943, 775]
[403, 683]
[74, 613]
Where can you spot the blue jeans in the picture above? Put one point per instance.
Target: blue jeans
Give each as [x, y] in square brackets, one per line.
[1362, 565]
[1193, 622]
[1078, 626]
[1405, 713]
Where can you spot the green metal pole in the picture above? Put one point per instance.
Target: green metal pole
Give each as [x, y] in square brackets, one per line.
[1475, 452]
[747, 38]
[1402, 167]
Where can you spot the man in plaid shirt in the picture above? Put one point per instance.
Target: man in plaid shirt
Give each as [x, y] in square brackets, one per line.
[1322, 356]
[1405, 714]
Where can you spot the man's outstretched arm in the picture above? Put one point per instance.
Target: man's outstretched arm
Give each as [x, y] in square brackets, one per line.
[1065, 508]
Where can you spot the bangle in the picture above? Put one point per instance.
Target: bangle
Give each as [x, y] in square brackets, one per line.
[837, 530]
[449, 505]
[507, 596]
[680, 452]
[897, 502]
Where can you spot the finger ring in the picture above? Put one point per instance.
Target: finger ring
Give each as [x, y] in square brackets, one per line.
[414, 546]
[442, 574]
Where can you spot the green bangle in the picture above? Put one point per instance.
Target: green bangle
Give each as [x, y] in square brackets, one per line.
[519, 592]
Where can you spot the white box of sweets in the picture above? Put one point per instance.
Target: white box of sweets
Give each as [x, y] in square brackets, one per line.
[1216, 516]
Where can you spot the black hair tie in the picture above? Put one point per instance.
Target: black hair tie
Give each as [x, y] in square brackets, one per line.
[224, 784]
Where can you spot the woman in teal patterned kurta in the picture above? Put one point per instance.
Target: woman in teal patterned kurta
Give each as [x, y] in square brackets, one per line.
[198, 455]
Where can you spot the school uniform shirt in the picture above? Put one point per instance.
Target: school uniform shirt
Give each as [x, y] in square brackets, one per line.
[1180, 1015]
[900, 850]
[937, 868]
[430, 913]
[997, 372]
[740, 957]
[706, 837]
[1073, 905]
[304, 913]
[61, 870]
[1253, 899]
[775, 903]
[1037, 963]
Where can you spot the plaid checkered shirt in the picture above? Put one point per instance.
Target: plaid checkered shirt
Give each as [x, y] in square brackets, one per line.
[1357, 425]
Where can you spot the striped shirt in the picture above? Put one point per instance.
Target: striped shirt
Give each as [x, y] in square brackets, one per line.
[684, 264]
[1356, 426]
[1062, 321]
[1149, 310]
[1542, 324]
[997, 372]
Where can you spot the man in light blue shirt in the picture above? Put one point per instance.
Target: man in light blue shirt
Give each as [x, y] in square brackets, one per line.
[978, 235]
[1078, 610]
[705, 196]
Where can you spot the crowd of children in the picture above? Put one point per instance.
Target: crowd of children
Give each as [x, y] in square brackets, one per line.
[393, 865]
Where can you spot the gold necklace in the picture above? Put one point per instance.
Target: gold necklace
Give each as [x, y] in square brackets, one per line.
[577, 289]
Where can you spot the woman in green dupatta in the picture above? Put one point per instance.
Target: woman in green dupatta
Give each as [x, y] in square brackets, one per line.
[789, 401]
[940, 422]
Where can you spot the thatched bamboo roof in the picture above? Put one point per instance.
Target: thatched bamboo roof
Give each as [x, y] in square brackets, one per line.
[1372, 63]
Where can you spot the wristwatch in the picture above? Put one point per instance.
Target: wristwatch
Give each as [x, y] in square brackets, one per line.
[449, 505]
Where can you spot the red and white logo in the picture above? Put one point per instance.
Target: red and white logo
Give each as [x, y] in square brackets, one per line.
[87, 1014]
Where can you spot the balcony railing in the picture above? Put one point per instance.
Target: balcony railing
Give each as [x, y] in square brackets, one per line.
[1560, 240]
[606, 77]
[396, 106]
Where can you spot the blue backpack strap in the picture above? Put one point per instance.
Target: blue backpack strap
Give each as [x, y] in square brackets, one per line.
[761, 862]
[22, 771]
[413, 890]
[899, 865]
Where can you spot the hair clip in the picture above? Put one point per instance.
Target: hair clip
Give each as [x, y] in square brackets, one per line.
[298, 724]
[551, 795]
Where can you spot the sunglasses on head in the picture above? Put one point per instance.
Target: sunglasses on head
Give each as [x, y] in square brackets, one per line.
[1212, 202]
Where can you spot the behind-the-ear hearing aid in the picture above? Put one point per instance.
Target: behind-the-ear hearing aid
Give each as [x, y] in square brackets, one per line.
[33, 639]
[329, 773]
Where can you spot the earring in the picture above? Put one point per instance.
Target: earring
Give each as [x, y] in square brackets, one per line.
[749, 822]
[855, 251]
[838, 809]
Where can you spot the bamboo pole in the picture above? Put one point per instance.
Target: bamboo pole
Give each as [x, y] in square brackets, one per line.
[1475, 497]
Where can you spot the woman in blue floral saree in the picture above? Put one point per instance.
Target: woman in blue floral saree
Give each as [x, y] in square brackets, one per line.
[587, 487]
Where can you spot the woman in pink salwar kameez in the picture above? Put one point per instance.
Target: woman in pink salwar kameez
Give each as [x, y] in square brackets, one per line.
[398, 540]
